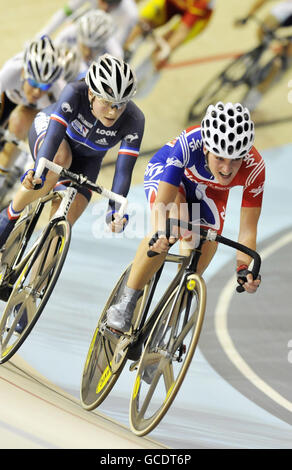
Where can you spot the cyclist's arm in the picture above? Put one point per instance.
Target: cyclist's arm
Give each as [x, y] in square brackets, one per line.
[128, 152]
[256, 6]
[123, 175]
[247, 236]
[60, 16]
[59, 120]
[249, 217]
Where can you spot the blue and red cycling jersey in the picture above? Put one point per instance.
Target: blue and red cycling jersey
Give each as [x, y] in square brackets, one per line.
[181, 162]
[70, 118]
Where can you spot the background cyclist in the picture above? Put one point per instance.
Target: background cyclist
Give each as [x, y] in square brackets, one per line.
[83, 41]
[280, 16]
[193, 16]
[29, 81]
[123, 12]
[198, 168]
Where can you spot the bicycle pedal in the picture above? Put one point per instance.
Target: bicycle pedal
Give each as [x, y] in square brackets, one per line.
[134, 366]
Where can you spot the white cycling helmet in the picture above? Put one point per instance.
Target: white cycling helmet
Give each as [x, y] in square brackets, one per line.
[94, 28]
[71, 62]
[227, 130]
[42, 61]
[112, 79]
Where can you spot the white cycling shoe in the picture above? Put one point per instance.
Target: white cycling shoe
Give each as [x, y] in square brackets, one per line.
[119, 316]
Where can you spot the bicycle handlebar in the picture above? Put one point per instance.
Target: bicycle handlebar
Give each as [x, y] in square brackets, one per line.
[212, 235]
[81, 180]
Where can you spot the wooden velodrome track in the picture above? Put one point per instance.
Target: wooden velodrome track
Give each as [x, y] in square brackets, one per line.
[22, 388]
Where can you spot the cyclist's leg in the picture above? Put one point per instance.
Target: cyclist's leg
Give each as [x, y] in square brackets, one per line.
[20, 121]
[167, 353]
[151, 16]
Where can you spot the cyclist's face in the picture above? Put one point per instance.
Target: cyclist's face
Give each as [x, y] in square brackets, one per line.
[88, 53]
[223, 169]
[103, 5]
[105, 111]
[32, 94]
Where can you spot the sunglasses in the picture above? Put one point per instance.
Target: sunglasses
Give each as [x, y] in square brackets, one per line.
[41, 86]
[110, 104]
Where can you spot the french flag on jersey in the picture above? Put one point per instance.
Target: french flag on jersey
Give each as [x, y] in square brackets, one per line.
[60, 119]
[129, 151]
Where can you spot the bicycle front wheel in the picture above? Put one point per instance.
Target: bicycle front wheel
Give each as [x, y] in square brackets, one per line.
[167, 355]
[32, 288]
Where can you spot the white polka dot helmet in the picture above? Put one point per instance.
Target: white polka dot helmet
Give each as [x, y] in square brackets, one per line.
[227, 130]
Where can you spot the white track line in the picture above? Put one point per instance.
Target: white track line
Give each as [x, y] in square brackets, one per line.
[225, 340]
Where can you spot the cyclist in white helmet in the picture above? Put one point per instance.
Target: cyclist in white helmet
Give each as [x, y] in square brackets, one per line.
[123, 12]
[88, 37]
[189, 178]
[29, 81]
[90, 117]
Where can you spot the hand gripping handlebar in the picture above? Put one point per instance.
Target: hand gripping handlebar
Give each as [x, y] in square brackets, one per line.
[81, 181]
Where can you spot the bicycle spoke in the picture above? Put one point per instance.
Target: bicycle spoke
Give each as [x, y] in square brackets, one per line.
[171, 347]
[33, 287]
[168, 375]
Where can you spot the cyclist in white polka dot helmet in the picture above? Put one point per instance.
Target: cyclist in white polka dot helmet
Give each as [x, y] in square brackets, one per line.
[227, 130]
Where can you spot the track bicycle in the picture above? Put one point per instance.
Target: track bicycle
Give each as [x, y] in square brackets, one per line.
[161, 341]
[245, 72]
[30, 263]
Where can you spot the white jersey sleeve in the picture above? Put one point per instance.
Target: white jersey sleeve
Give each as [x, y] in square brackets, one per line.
[10, 79]
[67, 12]
[125, 17]
[68, 36]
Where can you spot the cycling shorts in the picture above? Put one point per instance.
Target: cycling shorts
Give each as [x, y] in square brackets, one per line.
[206, 205]
[159, 12]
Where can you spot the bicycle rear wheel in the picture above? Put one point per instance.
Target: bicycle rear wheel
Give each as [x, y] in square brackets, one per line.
[106, 356]
[167, 355]
[233, 79]
[33, 287]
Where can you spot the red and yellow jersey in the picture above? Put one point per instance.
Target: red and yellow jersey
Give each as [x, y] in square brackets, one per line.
[195, 7]
[192, 10]
[159, 12]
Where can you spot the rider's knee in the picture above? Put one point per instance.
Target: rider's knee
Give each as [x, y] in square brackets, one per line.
[19, 123]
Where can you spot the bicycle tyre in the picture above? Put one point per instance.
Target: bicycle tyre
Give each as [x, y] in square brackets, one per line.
[25, 296]
[97, 378]
[166, 357]
[236, 73]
